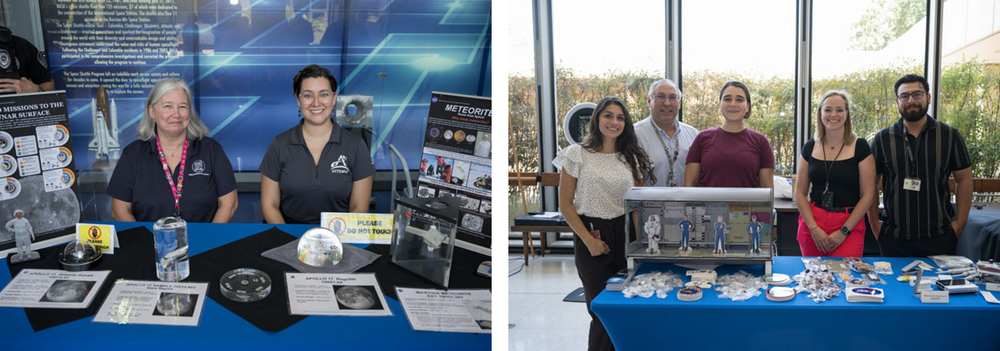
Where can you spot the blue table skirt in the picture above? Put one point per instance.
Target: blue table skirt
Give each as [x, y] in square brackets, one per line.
[221, 328]
[901, 322]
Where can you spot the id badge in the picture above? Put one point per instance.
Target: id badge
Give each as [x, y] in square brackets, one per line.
[911, 184]
[596, 234]
[827, 201]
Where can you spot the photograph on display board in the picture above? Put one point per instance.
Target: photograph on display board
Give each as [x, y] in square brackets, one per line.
[484, 144]
[481, 176]
[460, 173]
[425, 191]
[39, 198]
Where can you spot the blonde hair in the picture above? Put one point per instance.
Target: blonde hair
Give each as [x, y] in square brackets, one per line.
[849, 135]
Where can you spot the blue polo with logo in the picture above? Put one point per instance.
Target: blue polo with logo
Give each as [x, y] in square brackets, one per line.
[138, 178]
[307, 189]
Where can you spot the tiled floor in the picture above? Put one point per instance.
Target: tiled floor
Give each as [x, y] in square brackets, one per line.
[540, 319]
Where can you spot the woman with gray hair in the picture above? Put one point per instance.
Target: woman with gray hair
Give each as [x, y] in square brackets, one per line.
[174, 169]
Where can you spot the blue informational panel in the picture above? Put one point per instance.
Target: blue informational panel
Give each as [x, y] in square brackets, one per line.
[240, 57]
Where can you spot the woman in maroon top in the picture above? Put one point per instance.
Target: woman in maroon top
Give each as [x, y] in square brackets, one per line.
[732, 155]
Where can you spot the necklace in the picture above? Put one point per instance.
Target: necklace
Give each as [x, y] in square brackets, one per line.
[830, 168]
[172, 150]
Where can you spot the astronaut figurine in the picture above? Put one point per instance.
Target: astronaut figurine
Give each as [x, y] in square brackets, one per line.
[720, 237]
[652, 229]
[754, 229]
[23, 236]
[685, 227]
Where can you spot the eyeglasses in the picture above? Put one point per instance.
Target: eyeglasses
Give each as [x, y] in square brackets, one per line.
[324, 96]
[662, 98]
[916, 95]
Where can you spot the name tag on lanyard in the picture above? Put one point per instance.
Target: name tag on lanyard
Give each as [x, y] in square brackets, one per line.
[911, 184]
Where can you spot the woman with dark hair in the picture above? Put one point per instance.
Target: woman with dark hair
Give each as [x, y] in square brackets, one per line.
[173, 152]
[841, 169]
[594, 178]
[731, 155]
[316, 166]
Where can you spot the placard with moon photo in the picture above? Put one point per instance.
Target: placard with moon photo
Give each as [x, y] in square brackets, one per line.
[357, 297]
[68, 291]
[176, 305]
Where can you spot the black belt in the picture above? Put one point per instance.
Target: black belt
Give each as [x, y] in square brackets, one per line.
[837, 209]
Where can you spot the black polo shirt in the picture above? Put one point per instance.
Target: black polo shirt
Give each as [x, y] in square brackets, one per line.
[938, 151]
[307, 189]
[29, 61]
[138, 178]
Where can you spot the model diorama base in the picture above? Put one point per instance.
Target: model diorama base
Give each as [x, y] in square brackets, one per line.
[31, 256]
[730, 225]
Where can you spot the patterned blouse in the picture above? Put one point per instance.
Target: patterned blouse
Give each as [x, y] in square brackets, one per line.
[601, 181]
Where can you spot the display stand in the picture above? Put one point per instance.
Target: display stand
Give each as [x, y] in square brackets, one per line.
[723, 226]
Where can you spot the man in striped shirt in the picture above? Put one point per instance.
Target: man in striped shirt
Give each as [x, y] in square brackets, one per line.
[914, 158]
[665, 139]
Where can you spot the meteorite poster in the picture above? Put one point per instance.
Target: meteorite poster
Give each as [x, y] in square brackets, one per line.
[456, 161]
[39, 196]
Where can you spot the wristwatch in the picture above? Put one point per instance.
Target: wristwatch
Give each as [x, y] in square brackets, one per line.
[845, 230]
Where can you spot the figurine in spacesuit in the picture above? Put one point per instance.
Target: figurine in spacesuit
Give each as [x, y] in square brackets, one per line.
[754, 229]
[720, 237]
[652, 229]
[686, 226]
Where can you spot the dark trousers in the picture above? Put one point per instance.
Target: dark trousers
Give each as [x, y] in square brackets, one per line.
[594, 271]
[942, 244]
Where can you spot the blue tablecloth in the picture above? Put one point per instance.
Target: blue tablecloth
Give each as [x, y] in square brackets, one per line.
[221, 328]
[901, 322]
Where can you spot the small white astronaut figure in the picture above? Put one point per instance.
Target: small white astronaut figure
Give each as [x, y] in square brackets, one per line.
[652, 229]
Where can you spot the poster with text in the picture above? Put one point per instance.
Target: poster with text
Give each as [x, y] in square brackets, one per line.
[39, 199]
[456, 161]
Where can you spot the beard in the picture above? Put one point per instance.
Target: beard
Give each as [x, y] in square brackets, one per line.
[913, 116]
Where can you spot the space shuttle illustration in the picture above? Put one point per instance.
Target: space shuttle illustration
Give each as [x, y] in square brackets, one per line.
[105, 140]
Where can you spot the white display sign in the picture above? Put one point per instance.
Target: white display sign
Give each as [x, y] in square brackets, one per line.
[335, 294]
[50, 288]
[153, 302]
[463, 311]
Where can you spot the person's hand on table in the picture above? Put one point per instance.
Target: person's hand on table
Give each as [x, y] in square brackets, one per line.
[17, 86]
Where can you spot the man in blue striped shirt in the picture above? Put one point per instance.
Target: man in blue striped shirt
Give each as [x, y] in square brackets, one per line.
[914, 158]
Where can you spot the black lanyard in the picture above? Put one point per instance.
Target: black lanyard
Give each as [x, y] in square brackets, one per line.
[830, 168]
[909, 152]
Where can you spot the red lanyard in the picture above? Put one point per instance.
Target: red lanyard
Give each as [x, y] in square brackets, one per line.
[175, 190]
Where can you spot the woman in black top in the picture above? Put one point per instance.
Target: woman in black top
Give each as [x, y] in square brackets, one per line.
[841, 170]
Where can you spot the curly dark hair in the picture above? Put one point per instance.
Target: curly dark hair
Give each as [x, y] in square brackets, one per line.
[627, 144]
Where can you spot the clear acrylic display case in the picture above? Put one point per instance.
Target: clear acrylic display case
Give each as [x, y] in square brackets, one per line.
[423, 236]
[724, 225]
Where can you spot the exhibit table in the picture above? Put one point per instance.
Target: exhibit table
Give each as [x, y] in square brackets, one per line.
[901, 322]
[220, 327]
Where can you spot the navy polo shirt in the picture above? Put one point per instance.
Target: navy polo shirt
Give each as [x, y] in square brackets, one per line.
[138, 178]
[307, 189]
